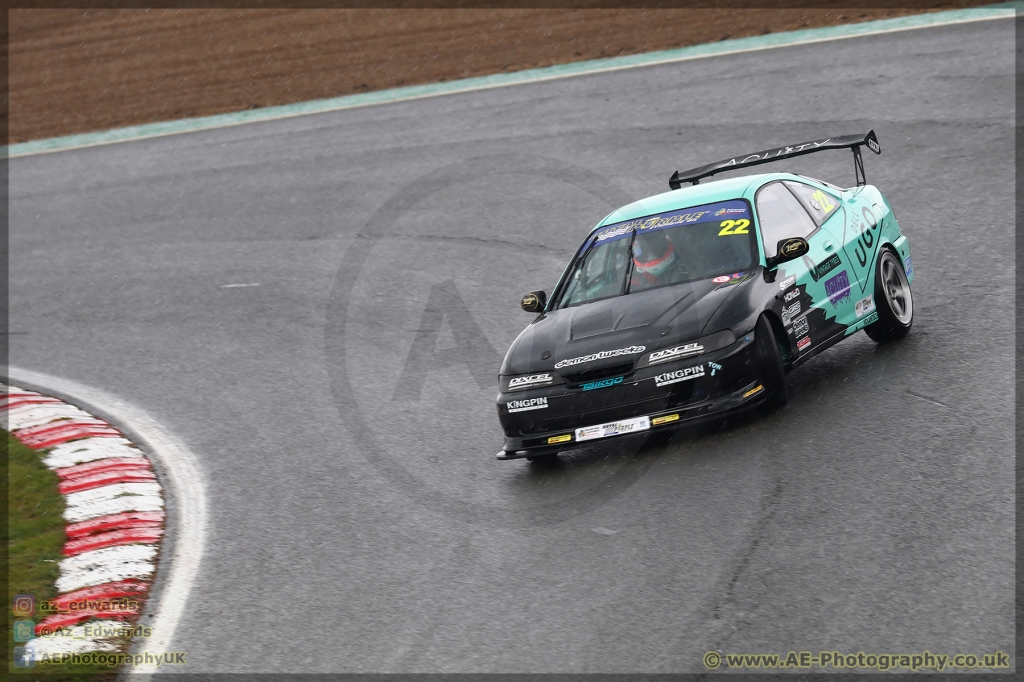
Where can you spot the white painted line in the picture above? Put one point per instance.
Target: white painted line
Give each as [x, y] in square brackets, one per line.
[106, 565]
[233, 286]
[110, 492]
[24, 418]
[88, 450]
[118, 505]
[184, 482]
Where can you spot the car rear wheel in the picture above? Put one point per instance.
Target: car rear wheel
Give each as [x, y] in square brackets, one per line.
[769, 360]
[893, 301]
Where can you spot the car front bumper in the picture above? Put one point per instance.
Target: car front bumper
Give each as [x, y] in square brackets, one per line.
[664, 395]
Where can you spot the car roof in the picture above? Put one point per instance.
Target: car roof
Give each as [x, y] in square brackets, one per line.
[740, 187]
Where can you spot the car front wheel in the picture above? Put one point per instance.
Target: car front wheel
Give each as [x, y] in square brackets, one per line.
[893, 300]
[769, 360]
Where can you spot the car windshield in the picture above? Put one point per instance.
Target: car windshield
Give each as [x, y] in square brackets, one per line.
[667, 248]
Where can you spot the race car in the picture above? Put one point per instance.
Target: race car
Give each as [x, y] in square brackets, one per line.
[696, 303]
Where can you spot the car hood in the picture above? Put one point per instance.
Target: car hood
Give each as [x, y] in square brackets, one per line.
[653, 319]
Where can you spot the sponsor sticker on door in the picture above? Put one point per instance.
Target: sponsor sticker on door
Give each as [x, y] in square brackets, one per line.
[864, 306]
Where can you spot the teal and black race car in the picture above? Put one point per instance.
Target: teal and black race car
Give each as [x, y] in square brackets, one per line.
[696, 303]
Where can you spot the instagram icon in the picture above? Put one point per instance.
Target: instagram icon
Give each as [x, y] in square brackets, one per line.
[24, 605]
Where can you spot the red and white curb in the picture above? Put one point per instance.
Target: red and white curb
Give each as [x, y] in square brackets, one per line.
[115, 521]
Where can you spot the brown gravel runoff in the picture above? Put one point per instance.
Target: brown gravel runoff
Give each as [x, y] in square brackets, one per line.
[76, 70]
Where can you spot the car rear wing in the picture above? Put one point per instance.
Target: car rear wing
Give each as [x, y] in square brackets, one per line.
[853, 142]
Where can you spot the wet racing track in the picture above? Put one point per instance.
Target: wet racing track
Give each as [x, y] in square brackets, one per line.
[343, 408]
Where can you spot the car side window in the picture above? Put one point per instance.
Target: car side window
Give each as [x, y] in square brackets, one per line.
[781, 217]
[819, 203]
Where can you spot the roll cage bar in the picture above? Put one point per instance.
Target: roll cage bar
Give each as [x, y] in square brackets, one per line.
[853, 142]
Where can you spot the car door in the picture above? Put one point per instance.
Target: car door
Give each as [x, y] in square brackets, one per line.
[842, 276]
[804, 307]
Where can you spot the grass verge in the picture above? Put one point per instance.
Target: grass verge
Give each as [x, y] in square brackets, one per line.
[35, 519]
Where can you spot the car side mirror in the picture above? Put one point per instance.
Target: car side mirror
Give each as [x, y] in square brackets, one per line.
[788, 249]
[534, 301]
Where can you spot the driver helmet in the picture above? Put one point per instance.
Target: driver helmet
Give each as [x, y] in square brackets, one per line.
[653, 253]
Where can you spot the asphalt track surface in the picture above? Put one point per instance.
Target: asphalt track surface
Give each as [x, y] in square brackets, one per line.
[343, 408]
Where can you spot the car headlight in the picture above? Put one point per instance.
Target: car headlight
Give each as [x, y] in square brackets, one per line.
[521, 382]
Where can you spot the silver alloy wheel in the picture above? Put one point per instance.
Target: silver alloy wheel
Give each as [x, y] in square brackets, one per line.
[897, 289]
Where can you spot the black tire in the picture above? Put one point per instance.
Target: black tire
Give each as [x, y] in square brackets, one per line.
[893, 300]
[769, 360]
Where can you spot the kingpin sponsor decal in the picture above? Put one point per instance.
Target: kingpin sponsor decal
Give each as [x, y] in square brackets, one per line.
[714, 367]
[527, 381]
[790, 295]
[803, 343]
[603, 383]
[657, 421]
[838, 288]
[677, 353]
[800, 326]
[788, 282]
[632, 350]
[789, 313]
[864, 306]
[679, 375]
[528, 404]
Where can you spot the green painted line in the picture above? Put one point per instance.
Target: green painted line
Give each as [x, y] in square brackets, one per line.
[725, 47]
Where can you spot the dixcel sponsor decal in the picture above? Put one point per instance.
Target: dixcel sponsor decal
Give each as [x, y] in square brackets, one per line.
[564, 438]
[657, 421]
[679, 375]
[838, 288]
[755, 389]
[720, 280]
[613, 429]
[789, 313]
[532, 380]
[864, 306]
[676, 353]
[908, 267]
[603, 383]
[800, 326]
[803, 343]
[714, 367]
[528, 404]
[790, 295]
[632, 350]
[788, 282]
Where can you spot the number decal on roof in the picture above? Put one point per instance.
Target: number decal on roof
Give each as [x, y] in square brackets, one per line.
[734, 227]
